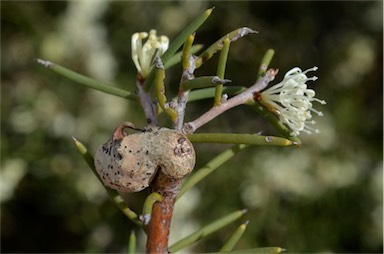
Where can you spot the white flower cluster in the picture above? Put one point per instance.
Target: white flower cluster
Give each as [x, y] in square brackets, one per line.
[292, 101]
[143, 54]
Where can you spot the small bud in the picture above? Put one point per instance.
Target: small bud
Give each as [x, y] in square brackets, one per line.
[144, 53]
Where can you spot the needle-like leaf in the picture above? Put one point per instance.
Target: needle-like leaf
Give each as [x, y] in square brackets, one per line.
[177, 43]
[209, 168]
[234, 138]
[86, 81]
[234, 238]
[114, 195]
[207, 230]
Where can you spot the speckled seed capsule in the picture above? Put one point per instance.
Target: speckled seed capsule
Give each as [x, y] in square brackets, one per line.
[128, 163]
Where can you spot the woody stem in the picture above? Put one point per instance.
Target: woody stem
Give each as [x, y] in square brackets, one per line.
[237, 100]
[159, 225]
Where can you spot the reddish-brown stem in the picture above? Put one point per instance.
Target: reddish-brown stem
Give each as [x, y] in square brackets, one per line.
[158, 227]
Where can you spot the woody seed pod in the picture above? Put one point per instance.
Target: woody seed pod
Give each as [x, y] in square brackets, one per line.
[129, 162]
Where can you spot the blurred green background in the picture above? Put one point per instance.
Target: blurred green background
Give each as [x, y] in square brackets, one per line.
[324, 197]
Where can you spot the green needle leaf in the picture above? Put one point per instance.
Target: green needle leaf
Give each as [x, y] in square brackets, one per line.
[181, 38]
[132, 243]
[270, 117]
[218, 45]
[187, 51]
[207, 230]
[147, 208]
[209, 168]
[207, 93]
[202, 82]
[177, 43]
[235, 237]
[114, 195]
[230, 138]
[265, 250]
[176, 58]
[160, 90]
[265, 61]
[221, 70]
[86, 81]
[87, 156]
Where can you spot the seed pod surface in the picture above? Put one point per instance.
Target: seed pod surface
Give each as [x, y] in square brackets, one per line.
[128, 163]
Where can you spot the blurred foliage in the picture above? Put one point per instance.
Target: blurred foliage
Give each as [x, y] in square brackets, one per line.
[323, 197]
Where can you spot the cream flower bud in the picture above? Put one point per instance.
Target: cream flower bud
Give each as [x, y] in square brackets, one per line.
[143, 54]
[292, 101]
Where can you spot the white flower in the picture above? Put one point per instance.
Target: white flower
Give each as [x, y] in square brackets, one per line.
[142, 55]
[292, 101]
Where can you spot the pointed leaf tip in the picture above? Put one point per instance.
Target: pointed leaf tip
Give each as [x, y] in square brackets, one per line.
[262, 250]
[210, 10]
[247, 30]
[241, 32]
[132, 243]
[43, 62]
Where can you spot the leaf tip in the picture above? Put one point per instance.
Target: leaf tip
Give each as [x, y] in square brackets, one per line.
[80, 147]
[210, 10]
[77, 142]
[246, 30]
[45, 63]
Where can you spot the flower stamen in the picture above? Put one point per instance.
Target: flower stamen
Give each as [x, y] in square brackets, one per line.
[292, 101]
[143, 54]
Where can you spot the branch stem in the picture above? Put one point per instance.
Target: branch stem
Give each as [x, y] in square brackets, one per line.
[159, 225]
[237, 100]
[147, 104]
